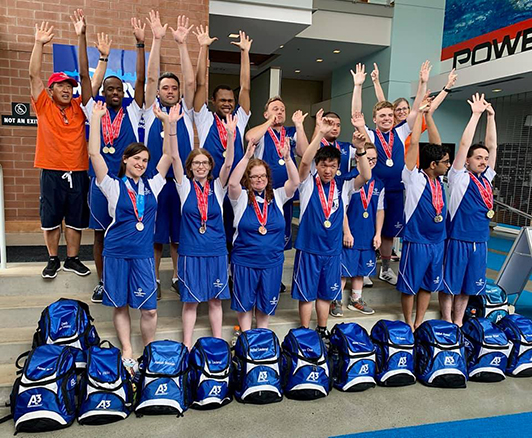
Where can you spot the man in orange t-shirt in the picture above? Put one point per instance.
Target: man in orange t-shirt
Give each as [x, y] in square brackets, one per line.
[62, 155]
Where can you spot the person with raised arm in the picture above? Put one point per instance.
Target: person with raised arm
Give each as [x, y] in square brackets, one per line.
[421, 266]
[317, 265]
[470, 213]
[61, 153]
[103, 44]
[202, 268]
[257, 256]
[166, 89]
[129, 274]
[119, 129]
[389, 141]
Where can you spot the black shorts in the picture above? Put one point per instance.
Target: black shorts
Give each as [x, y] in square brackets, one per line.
[64, 196]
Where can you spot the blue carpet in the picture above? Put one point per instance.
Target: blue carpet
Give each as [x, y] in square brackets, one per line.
[491, 427]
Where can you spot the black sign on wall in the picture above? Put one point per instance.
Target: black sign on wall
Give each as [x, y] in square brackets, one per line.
[20, 115]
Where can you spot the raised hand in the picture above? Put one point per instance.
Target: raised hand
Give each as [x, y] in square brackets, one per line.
[285, 149]
[230, 123]
[298, 117]
[424, 72]
[160, 114]
[250, 151]
[478, 103]
[43, 33]
[489, 109]
[326, 125]
[451, 80]
[98, 110]
[359, 140]
[180, 34]
[157, 29]
[244, 43]
[319, 116]
[203, 36]
[104, 44]
[359, 75]
[79, 22]
[175, 113]
[358, 121]
[375, 73]
[138, 29]
[425, 103]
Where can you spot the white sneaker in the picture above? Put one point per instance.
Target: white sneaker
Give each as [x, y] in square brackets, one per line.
[367, 282]
[388, 276]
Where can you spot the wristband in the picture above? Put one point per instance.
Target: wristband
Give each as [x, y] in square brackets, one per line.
[103, 59]
[362, 154]
[140, 45]
[446, 90]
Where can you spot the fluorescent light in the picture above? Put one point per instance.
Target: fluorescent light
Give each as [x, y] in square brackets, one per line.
[297, 71]
[233, 35]
[496, 90]
[336, 51]
[319, 60]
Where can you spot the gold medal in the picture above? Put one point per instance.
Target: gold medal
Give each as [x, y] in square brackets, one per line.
[105, 150]
[365, 215]
[202, 229]
[338, 172]
[327, 224]
[112, 150]
[262, 230]
[281, 162]
[490, 214]
[139, 226]
[438, 218]
[223, 155]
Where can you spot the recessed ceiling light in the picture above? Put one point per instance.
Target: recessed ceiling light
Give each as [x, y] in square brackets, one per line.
[319, 60]
[297, 71]
[336, 51]
[233, 35]
[281, 46]
[496, 90]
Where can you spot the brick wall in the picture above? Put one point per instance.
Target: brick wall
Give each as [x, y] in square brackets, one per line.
[17, 22]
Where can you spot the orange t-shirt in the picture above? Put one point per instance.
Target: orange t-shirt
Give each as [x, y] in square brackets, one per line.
[409, 138]
[60, 146]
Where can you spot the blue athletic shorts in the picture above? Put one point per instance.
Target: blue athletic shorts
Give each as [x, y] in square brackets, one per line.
[129, 282]
[202, 278]
[99, 207]
[316, 276]
[394, 206]
[358, 262]
[465, 267]
[255, 287]
[421, 267]
[168, 214]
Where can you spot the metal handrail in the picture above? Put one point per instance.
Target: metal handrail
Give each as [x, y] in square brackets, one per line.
[513, 210]
[3, 255]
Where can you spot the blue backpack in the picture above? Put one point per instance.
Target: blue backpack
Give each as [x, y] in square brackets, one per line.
[492, 305]
[487, 350]
[306, 368]
[42, 398]
[67, 322]
[394, 348]
[106, 394]
[210, 371]
[353, 356]
[257, 367]
[440, 355]
[163, 367]
[518, 330]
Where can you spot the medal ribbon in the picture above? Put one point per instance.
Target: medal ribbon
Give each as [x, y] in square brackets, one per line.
[366, 200]
[486, 192]
[278, 143]
[326, 207]
[262, 217]
[326, 143]
[203, 200]
[137, 199]
[388, 147]
[112, 130]
[222, 132]
[437, 194]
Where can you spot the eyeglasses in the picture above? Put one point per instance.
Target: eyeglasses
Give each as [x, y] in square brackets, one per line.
[372, 160]
[256, 177]
[446, 162]
[65, 118]
[402, 109]
[201, 164]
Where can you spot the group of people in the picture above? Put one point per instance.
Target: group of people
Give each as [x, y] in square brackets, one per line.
[226, 209]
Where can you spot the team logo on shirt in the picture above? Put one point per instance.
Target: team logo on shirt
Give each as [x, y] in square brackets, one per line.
[147, 191]
[480, 282]
[274, 301]
[335, 287]
[398, 225]
[343, 151]
[370, 264]
[217, 283]
[436, 280]
[139, 293]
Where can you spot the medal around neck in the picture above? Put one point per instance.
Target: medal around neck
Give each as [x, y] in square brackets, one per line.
[281, 162]
[139, 226]
[490, 214]
[327, 224]
[389, 162]
[365, 215]
[262, 230]
[438, 218]
[202, 229]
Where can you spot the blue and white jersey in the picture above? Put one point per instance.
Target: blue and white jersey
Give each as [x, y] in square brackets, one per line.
[390, 176]
[122, 239]
[250, 248]
[313, 236]
[363, 229]
[155, 135]
[209, 138]
[467, 218]
[192, 242]
[129, 133]
[420, 226]
[267, 151]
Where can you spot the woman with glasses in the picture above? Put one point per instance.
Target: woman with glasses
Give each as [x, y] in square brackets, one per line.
[202, 265]
[257, 257]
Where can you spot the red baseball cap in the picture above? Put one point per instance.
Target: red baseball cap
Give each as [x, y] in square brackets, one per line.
[61, 77]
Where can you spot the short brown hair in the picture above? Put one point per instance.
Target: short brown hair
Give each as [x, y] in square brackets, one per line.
[382, 105]
[246, 180]
[369, 145]
[194, 154]
[396, 102]
[131, 150]
[273, 99]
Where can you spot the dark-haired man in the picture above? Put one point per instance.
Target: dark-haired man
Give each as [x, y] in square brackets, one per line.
[165, 90]
[470, 213]
[119, 129]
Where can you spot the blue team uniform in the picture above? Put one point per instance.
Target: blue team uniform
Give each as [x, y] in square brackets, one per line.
[256, 259]
[202, 266]
[468, 230]
[129, 270]
[169, 206]
[100, 218]
[317, 265]
[391, 177]
[360, 260]
[422, 255]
